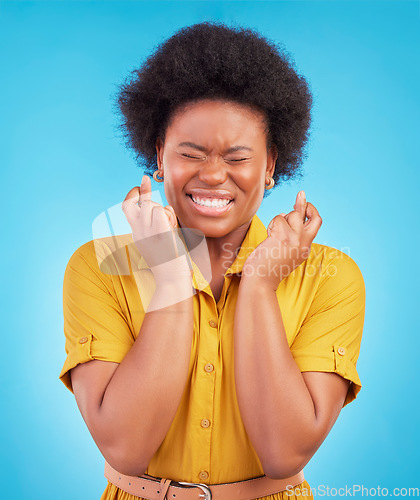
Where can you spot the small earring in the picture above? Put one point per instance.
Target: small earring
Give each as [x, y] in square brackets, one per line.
[155, 175]
[270, 184]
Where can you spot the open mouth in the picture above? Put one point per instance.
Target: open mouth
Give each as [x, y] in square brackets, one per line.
[217, 203]
[210, 207]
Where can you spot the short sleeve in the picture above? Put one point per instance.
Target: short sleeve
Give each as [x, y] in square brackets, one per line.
[94, 324]
[330, 336]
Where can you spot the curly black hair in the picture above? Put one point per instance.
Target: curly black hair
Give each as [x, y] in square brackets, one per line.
[214, 61]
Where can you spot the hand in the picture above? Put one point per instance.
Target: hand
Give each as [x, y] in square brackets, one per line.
[288, 244]
[154, 230]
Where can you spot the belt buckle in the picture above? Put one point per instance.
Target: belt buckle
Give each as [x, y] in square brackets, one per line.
[203, 487]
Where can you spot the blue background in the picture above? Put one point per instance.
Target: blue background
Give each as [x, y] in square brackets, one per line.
[63, 163]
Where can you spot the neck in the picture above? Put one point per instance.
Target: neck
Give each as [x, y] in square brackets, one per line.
[222, 250]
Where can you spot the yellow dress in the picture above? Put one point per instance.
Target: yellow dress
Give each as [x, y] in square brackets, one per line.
[107, 286]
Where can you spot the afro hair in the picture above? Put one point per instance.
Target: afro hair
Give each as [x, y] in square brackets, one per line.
[214, 61]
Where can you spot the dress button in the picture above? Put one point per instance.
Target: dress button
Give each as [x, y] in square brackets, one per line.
[205, 423]
[203, 474]
[341, 351]
[209, 367]
[83, 340]
[213, 323]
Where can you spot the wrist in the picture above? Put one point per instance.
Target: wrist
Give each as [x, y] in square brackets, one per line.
[175, 271]
[171, 293]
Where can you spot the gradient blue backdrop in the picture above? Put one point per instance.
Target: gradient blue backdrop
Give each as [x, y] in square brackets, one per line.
[62, 164]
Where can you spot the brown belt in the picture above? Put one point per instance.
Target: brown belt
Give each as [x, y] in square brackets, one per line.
[160, 489]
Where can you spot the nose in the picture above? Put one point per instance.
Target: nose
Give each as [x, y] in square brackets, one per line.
[213, 172]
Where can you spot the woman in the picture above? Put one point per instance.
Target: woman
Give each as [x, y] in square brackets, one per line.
[205, 350]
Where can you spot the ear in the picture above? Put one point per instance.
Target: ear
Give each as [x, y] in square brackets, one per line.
[271, 160]
[159, 152]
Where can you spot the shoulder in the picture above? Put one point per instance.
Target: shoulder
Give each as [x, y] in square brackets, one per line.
[335, 280]
[325, 278]
[334, 263]
[108, 255]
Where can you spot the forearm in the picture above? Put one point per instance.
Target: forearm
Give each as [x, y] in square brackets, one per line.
[275, 404]
[142, 398]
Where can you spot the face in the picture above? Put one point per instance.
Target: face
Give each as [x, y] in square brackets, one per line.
[215, 165]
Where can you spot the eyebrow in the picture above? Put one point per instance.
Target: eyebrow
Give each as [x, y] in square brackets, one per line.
[192, 145]
[202, 148]
[238, 148]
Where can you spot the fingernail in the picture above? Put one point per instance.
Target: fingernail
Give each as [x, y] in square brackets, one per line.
[302, 195]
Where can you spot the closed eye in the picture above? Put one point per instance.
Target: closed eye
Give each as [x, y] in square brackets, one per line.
[191, 156]
[237, 159]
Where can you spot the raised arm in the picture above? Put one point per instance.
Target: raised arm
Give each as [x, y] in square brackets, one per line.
[287, 414]
[129, 407]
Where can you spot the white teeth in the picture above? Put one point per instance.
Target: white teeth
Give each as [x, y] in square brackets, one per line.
[207, 202]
